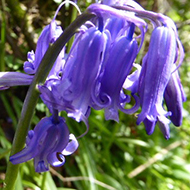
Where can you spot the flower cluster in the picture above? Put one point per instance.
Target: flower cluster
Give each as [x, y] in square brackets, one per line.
[98, 71]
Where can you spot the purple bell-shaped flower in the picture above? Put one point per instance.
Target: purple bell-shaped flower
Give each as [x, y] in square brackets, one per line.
[174, 97]
[48, 36]
[47, 144]
[155, 75]
[82, 67]
[108, 91]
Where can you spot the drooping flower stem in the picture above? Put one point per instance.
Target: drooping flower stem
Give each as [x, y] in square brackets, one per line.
[33, 94]
[143, 13]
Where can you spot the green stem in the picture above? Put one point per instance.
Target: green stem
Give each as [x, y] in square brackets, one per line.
[33, 94]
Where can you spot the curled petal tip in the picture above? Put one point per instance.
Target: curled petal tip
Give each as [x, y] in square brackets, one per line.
[56, 159]
[71, 146]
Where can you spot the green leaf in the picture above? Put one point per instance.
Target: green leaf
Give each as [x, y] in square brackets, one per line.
[134, 141]
[49, 183]
[19, 184]
[180, 174]
[62, 188]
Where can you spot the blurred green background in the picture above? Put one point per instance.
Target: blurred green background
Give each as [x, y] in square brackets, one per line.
[113, 156]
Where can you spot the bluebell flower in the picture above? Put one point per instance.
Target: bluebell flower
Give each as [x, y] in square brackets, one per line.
[80, 72]
[174, 97]
[48, 36]
[47, 144]
[155, 75]
[108, 93]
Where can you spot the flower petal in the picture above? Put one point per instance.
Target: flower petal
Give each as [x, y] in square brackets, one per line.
[149, 126]
[56, 159]
[163, 124]
[35, 144]
[8, 79]
[71, 146]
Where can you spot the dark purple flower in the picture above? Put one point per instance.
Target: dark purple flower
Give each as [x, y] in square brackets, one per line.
[47, 144]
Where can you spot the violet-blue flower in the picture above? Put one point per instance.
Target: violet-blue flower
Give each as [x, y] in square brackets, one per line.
[8, 79]
[47, 144]
[104, 11]
[115, 70]
[155, 75]
[174, 97]
[48, 36]
[81, 69]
